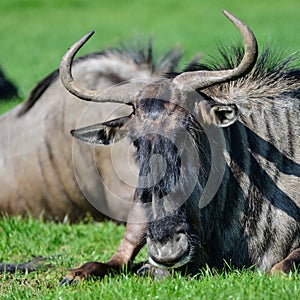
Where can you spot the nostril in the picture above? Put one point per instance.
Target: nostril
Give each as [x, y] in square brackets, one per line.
[179, 234]
[179, 237]
[181, 229]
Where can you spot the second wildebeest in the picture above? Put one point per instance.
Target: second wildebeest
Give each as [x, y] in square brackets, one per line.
[42, 171]
[241, 114]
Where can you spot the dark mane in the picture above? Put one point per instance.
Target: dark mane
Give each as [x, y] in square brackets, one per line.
[274, 69]
[270, 60]
[274, 74]
[42, 86]
[141, 55]
[37, 91]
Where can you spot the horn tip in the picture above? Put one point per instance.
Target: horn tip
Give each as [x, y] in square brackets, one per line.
[86, 37]
[89, 34]
[232, 18]
[228, 14]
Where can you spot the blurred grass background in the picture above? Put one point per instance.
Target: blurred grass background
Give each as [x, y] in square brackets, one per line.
[34, 34]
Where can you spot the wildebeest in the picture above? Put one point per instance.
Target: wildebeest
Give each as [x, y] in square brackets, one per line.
[237, 119]
[37, 172]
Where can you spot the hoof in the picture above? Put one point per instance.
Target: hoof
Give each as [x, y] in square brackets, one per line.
[70, 280]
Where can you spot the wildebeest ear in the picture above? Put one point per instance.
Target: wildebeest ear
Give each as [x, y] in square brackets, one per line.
[221, 115]
[104, 133]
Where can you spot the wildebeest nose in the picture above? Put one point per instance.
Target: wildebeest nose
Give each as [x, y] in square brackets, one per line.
[170, 252]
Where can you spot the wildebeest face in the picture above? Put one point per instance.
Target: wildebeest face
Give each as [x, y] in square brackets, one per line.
[172, 151]
[160, 134]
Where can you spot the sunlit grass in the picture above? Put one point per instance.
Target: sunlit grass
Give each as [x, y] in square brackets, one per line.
[71, 245]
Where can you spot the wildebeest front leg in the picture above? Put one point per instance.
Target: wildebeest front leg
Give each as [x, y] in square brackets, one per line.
[133, 241]
[290, 263]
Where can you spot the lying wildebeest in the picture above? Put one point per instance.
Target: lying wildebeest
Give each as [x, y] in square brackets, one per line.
[37, 173]
[243, 112]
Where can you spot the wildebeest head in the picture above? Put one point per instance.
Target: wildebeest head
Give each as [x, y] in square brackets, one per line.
[167, 128]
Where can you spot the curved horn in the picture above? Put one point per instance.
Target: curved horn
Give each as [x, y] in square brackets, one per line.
[125, 93]
[203, 79]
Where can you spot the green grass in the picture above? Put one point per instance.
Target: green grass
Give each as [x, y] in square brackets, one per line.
[72, 245]
[34, 35]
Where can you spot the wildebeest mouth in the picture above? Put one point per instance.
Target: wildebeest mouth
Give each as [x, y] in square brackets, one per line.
[182, 262]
